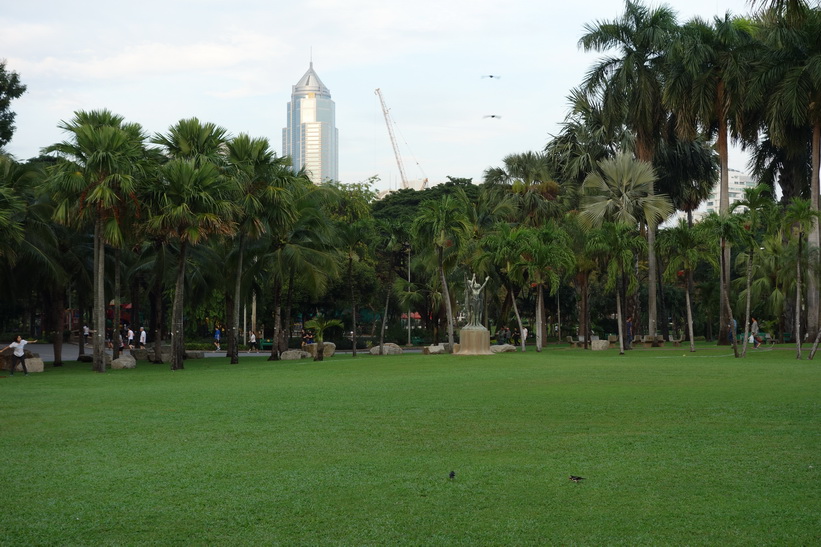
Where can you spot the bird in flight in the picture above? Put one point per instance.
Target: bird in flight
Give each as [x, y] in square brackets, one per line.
[452, 474]
[574, 478]
[493, 116]
[492, 76]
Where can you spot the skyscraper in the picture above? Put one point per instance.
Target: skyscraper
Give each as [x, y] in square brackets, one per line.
[311, 136]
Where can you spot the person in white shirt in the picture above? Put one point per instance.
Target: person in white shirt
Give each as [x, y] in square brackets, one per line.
[143, 338]
[252, 342]
[130, 338]
[19, 355]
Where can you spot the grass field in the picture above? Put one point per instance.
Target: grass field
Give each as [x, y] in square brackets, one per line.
[676, 448]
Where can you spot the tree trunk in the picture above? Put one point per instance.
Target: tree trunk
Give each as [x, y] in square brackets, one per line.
[446, 298]
[619, 320]
[385, 320]
[813, 297]
[689, 310]
[798, 300]
[277, 323]
[518, 318]
[177, 326]
[353, 307]
[727, 308]
[749, 296]
[723, 208]
[99, 297]
[118, 318]
[539, 317]
[233, 334]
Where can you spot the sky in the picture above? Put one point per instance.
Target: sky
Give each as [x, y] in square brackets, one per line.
[234, 64]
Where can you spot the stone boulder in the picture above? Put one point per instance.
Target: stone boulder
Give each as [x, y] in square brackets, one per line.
[437, 349]
[194, 354]
[330, 349]
[123, 362]
[294, 354]
[33, 362]
[387, 349]
[503, 348]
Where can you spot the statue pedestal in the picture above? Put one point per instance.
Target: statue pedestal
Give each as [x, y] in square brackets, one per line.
[474, 341]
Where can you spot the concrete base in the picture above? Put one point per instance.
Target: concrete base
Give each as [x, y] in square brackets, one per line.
[474, 341]
[599, 345]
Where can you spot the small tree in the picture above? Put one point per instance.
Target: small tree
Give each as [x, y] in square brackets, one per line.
[320, 324]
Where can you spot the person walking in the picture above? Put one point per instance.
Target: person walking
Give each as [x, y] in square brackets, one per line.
[754, 333]
[252, 342]
[143, 337]
[19, 355]
[217, 334]
[130, 338]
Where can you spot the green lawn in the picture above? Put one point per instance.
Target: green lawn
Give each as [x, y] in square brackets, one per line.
[676, 448]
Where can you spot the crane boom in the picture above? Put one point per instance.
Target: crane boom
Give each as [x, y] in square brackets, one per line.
[387, 114]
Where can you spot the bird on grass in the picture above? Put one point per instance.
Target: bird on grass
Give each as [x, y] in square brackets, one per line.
[574, 478]
[452, 475]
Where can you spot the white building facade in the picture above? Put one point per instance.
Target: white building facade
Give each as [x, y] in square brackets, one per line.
[737, 182]
[311, 137]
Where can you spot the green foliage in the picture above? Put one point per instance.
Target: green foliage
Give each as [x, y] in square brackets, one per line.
[10, 88]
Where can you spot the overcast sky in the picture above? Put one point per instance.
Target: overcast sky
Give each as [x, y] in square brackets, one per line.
[234, 63]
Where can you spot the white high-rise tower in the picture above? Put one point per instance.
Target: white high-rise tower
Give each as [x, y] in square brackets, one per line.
[311, 136]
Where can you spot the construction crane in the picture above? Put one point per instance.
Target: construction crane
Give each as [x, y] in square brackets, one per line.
[387, 114]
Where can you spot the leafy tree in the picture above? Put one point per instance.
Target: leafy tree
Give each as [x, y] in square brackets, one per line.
[320, 324]
[90, 183]
[10, 89]
[686, 248]
[190, 203]
[615, 245]
[800, 216]
[708, 72]
[442, 226]
[629, 86]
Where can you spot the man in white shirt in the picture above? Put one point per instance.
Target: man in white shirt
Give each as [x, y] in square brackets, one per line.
[130, 338]
[143, 338]
[19, 355]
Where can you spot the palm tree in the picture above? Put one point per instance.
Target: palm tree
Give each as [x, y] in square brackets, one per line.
[529, 179]
[547, 259]
[189, 203]
[442, 226]
[685, 249]
[726, 227]
[708, 71]
[320, 324]
[755, 201]
[793, 80]
[615, 245]
[800, 216]
[252, 168]
[620, 191]
[90, 183]
[629, 86]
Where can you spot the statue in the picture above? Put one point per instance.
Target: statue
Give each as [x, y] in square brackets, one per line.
[474, 301]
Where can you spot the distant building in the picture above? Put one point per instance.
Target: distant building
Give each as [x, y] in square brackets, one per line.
[311, 137]
[737, 183]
